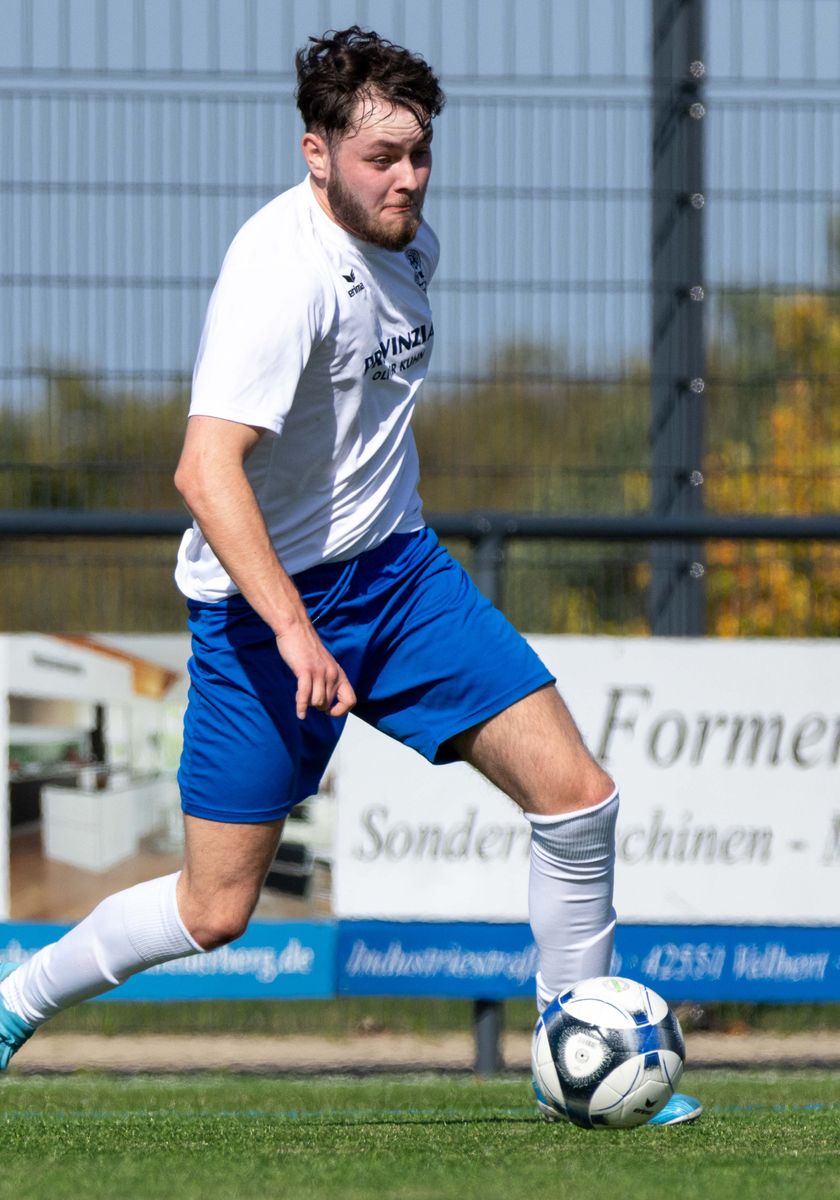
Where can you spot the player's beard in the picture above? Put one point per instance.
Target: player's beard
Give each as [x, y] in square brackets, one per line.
[355, 218]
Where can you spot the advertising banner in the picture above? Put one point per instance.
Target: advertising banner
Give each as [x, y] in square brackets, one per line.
[726, 754]
[497, 962]
[474, 960]
[467, 959]
[760, 963]
[271, 961]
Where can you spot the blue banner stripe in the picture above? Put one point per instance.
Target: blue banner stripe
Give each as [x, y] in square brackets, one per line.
[682, 962]
[475, 960]
[470, 959]
[767, 963]
[271, 961]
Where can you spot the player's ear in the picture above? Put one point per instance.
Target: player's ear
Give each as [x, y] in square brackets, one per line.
[316, 153]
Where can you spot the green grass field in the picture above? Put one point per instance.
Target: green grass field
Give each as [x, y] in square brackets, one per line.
[764, 1134]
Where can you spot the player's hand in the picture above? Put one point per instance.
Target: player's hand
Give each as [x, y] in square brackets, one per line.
[321, 683]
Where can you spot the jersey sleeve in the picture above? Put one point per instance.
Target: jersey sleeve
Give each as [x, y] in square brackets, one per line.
[268, 310]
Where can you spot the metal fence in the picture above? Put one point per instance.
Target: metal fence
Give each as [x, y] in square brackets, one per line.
[136, 135]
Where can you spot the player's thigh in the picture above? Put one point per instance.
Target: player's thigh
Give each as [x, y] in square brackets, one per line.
[440, 658]
[220, 856]
[533, 752]
[225, 865]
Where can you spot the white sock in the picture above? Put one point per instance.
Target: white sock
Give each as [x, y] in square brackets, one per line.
[126, 933]
[570, 895]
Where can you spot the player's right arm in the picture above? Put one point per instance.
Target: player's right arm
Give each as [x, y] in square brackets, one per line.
[212, 481]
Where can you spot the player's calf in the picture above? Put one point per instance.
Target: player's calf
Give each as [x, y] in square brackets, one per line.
[570, 895]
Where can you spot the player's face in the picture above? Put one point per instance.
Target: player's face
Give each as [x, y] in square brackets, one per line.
[375, 178]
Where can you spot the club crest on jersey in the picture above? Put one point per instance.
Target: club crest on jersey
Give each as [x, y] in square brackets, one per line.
[416, 264]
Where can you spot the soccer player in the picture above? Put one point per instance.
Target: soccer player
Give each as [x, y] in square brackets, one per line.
[313, 584]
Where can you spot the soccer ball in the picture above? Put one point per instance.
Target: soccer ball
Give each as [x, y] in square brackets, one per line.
[609, 1052]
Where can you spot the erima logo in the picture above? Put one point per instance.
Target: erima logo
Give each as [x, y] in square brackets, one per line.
[351, 278]
[416, 263]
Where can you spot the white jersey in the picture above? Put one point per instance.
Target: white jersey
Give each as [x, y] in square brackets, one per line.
[322, 340]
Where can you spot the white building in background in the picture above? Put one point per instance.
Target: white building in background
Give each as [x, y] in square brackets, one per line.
[90, 733]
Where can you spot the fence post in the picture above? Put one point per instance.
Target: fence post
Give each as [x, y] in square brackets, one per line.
[487, 1014]
[677, 599]
[487, 1021]
[488, 559]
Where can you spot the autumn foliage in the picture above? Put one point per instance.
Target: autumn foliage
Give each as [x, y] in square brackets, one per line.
[787, 462]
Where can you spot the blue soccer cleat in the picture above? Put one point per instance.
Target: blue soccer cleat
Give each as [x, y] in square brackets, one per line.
[679, 1110]
[13, 1031]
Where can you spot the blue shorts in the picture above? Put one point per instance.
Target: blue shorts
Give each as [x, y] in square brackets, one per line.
[428, 657]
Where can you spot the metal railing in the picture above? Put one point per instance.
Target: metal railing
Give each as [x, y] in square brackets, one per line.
[488, 535]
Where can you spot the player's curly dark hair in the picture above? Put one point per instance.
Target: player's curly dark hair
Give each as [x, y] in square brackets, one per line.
[344, 66]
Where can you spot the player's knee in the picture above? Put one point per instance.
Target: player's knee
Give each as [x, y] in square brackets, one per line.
[217, 927]
[598, 785]
[584, 787]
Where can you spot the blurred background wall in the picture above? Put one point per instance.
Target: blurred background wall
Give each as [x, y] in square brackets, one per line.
[137, 135]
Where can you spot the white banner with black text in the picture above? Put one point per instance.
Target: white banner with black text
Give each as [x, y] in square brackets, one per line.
[727, 757]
